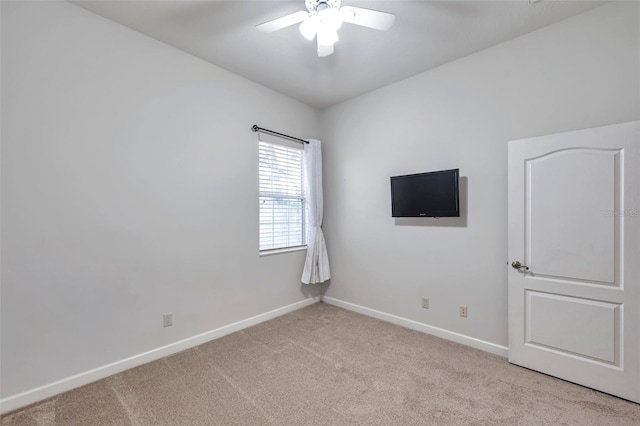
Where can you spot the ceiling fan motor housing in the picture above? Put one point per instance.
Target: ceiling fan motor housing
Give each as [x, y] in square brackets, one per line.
[315, 6]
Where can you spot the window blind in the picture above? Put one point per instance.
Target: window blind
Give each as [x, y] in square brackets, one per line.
[282, 202]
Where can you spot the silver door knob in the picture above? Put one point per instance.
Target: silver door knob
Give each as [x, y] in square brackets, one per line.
[519, 266]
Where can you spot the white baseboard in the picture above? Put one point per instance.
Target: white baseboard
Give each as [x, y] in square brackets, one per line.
[502, 351]
[34, 395]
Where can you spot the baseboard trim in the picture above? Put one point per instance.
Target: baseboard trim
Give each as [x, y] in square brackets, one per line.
[38, 394]
[418, 326]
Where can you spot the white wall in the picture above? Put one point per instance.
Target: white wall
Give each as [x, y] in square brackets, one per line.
[129, 189]
[579, 73]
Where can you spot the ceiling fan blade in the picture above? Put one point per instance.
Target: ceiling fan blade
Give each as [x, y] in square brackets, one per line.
[367, 18]
[326, 38]
[285, 21]
[324, 49]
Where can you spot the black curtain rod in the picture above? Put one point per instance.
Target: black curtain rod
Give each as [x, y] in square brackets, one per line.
[255, 128]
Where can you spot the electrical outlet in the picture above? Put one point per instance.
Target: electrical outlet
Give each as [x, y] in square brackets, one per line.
[463, 311]
[167, 320]
[425, 302]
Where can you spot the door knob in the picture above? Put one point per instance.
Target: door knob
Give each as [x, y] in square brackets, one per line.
[519, 266]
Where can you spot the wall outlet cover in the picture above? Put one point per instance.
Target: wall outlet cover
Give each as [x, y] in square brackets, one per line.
[167, 320]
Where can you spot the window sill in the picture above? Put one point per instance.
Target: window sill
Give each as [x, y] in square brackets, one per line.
[282, 250]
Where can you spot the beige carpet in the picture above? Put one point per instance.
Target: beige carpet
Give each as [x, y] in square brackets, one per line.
[323, 365]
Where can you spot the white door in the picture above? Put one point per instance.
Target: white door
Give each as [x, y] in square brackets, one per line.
[574, 226]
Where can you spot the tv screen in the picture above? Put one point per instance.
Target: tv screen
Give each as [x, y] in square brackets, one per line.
[432, 194]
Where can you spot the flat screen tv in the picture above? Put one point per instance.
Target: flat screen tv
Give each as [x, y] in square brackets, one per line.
[432, 194]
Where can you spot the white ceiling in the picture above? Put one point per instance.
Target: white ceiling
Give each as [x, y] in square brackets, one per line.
[426, 34]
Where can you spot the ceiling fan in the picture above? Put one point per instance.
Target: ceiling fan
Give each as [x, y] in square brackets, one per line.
[323, 18]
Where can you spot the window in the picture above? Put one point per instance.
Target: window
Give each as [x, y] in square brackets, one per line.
[282, 201]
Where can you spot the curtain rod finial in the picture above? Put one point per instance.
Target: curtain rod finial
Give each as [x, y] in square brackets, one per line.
[255, 128]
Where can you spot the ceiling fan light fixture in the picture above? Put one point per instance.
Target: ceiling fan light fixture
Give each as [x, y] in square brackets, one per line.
[309, 28]
[330, 19]
[327, 36]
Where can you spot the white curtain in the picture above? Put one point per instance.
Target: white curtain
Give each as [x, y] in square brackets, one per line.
[316, 267]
